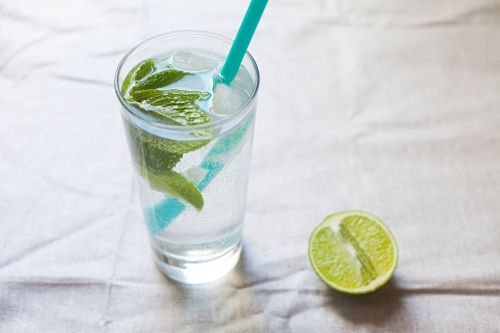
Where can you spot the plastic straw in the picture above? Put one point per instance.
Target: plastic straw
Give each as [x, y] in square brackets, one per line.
[242, 40]
[163, 213]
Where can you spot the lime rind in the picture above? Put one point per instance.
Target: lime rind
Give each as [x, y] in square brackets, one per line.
[176, 185]
[351, 272]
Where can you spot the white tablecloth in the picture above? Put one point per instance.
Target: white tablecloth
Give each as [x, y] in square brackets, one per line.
[392, 107]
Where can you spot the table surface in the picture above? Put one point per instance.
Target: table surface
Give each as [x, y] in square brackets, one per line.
[392, 107]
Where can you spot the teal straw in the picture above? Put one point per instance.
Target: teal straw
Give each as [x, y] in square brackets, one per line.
[242, 40]
[160, 215]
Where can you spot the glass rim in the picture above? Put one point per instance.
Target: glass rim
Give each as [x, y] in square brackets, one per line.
[135, 112]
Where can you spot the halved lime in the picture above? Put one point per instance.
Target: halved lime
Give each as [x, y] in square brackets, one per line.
[353, 252]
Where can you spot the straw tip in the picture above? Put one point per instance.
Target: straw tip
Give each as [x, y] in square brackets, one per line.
[219, 78]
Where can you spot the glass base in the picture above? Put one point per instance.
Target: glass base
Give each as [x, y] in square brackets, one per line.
[195, 273]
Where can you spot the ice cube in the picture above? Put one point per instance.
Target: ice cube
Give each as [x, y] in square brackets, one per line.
[193, 62]
[227, 99]
[189, 82]
[196, 173]
[243, 81]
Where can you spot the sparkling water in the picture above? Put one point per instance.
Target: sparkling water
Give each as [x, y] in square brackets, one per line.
[181, 234]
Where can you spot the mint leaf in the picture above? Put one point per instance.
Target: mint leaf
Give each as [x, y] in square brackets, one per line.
[151, 151]
[146, 68]
[147, 143]
[175, 107]
[137, 73]
[166, 98]
[160, 79]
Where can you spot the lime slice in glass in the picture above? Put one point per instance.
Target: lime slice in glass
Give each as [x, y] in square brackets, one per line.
[175, 185]
[353, 252]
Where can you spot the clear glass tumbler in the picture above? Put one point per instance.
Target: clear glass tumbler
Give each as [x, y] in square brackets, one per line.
[190, 245]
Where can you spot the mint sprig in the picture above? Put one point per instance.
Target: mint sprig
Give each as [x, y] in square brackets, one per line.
[137, 73]
[174, 107]
[160, 79]
[155, 157]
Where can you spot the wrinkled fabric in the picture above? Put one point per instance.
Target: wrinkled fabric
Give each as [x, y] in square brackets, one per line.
[392, 107]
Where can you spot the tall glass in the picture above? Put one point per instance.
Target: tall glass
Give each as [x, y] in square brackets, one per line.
[191, 245]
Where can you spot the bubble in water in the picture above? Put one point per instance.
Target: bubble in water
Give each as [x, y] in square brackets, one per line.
[193, 62]
[226, 99]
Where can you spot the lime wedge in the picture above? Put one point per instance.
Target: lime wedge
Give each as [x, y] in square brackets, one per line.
[353, 252]
[179, 187]
[176, 185]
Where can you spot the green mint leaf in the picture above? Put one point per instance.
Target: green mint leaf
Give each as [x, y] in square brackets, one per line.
[175, 107]
[160, 79]
[152, 152]
[148, 144]
[137, 73]
[146, 68]
[168, 98]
